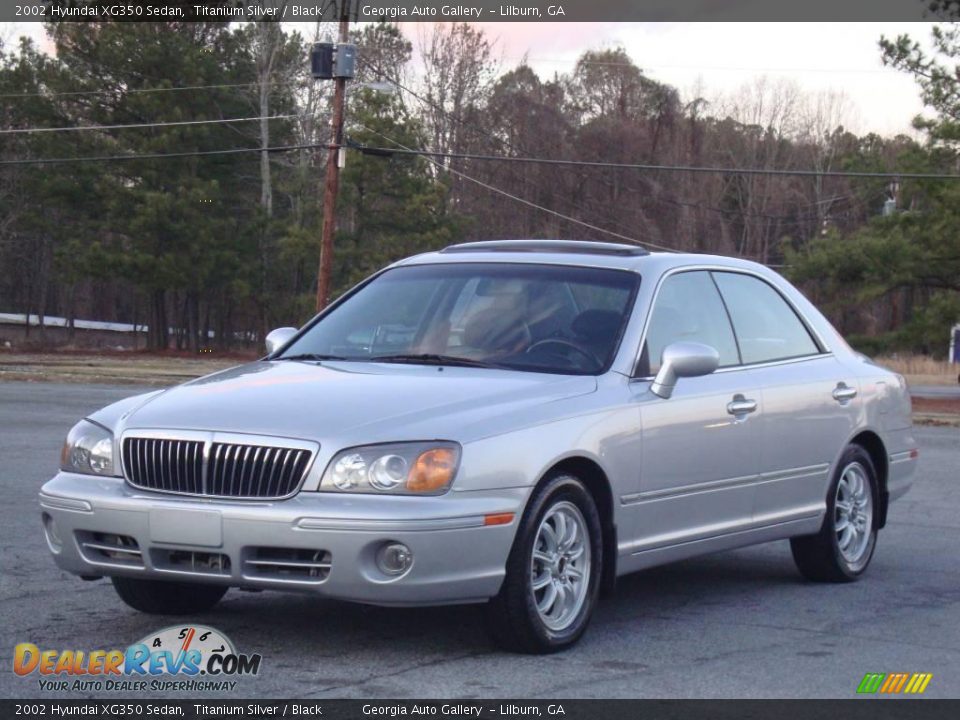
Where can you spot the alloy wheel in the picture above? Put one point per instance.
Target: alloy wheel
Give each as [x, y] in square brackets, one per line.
[560, 565]
[853, 521]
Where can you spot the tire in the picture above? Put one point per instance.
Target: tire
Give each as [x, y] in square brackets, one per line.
[160, 597]
[513, 616]
[836, 554]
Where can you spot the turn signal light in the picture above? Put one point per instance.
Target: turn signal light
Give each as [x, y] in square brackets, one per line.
[433, 470]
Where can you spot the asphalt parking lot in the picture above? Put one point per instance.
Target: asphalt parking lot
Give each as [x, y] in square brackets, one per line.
[737, 624]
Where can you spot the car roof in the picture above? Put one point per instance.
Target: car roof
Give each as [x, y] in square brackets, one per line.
[576, 252]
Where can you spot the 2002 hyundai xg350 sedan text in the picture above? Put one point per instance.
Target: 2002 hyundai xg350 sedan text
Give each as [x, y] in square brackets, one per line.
[512, 422]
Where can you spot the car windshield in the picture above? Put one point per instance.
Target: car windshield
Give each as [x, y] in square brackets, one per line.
[538, 318]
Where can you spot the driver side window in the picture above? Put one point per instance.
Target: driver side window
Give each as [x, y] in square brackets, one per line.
[688, 307]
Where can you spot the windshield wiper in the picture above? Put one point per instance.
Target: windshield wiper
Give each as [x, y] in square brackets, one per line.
[312, 356]
[432, 359]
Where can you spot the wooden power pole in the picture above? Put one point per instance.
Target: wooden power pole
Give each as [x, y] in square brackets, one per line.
[332, 184]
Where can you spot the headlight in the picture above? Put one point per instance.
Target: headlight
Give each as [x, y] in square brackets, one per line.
[419, 468]
[88, 449]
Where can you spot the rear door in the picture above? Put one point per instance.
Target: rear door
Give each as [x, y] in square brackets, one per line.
[809, 399]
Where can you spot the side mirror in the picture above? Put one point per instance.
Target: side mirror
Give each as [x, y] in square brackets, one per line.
[276, 339]
[683, 359]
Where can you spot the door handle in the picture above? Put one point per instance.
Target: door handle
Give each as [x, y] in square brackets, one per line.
[843, 392]
[741, 405]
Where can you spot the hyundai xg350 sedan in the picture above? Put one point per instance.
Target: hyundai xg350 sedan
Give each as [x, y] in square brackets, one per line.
[514, 423]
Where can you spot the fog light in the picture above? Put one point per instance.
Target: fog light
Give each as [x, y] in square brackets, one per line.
[53, 534]
[394, 559]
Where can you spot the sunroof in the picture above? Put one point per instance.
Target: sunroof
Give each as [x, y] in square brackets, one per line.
[578, 247]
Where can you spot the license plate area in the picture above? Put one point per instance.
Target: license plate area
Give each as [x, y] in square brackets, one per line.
[174, 526]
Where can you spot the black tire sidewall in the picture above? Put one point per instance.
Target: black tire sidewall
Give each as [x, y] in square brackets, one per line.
[853, 453]
[562, 487]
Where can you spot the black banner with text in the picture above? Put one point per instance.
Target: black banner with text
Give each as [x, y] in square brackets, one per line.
[471, 10]
[464, 709]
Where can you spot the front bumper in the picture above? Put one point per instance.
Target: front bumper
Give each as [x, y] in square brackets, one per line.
[322, 543]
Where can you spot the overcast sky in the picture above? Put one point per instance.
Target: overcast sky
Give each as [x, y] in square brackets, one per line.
[722, 57]
[717, 57]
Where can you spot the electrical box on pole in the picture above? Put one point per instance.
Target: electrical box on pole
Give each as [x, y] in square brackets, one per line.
[321, 61]
[330, 61]
[345, 61]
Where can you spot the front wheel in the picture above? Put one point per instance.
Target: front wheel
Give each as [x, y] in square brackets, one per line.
[843, 548]
[161, 597]
[553, 572]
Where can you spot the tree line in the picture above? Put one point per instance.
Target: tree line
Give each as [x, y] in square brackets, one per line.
[208, 246]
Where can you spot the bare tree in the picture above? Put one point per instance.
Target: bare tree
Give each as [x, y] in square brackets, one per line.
[267, 47]
[823, 116]
[766, 117]
[459, 70]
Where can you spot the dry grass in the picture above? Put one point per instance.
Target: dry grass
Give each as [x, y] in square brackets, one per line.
[129, 368]
[936, 411]
[922, 370]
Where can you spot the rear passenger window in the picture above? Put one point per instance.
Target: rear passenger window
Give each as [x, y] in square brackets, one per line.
[687, 308]
[767, 327]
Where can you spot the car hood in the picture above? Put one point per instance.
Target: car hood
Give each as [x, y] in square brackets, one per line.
[369, 402]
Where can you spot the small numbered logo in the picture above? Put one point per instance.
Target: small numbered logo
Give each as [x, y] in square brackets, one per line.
[179, 640]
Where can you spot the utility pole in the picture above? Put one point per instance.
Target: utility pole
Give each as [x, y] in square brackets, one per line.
[332, 184]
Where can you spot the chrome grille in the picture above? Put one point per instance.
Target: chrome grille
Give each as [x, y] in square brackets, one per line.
[218, 469]
[167, 465]
[255, 471]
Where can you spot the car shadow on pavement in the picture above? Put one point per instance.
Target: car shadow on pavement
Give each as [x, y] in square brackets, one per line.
[285, 621]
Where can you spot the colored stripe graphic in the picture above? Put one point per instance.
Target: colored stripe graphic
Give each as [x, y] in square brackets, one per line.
[894, 683]
[871, 682]
[922, 685]
[890, 682]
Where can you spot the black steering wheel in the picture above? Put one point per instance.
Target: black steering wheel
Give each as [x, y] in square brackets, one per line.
[568, 345]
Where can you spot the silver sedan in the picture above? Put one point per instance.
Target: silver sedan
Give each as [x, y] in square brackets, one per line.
[515, 423]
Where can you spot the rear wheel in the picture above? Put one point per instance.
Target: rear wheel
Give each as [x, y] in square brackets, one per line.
[160, 597]
[843, 548]
[553, 572]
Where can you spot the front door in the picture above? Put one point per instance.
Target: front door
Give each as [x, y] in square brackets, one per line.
[699, 458]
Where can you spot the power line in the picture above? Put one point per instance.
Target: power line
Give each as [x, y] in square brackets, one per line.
[18, 131]
[529, 203]
[218, 86]
[632, 166]
[784, 219]
[660, 168]
[460, 121]
[507, 144]
[159, 156]
[126, 91]
[696, 68]
[130, 91]
[402, 150]
[510, 146]
[472, 127]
